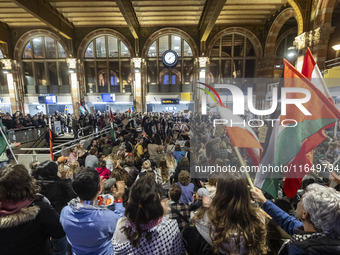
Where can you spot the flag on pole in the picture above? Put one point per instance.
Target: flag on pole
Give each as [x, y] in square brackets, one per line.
[112, 125]
[51, 144]
[288, 140]
[312, 72]
[241, 136]
[293, 182]
[81, 109]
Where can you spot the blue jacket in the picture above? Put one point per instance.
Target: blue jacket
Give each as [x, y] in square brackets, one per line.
[324, 245]
[288, 223]
[89, 229]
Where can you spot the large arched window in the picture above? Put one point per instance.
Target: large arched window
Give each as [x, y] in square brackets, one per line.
[178, 79]
[232, 59]
[44, 66]
[107, 64]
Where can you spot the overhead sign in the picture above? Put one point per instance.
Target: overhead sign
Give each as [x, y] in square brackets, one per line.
[169, 101]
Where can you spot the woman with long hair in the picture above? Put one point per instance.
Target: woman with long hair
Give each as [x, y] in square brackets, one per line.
[231, 225]
[146, 227]
[170, 162]
[165, 175]
[27, 220]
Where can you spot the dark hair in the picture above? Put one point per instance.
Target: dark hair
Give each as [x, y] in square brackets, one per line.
[93, 151]
[177, 147]
[86, 183]
[175, 192]
[129, 161]
[102, 163]
[16, 184]
[47, 170]
[144, 206]
[128, 147]
[157, 139]
[284, 204]
[307, 182]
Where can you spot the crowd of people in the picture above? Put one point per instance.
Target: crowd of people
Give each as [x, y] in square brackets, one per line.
[132, 193]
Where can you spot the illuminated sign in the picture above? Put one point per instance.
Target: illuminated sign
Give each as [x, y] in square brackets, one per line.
[170, 101]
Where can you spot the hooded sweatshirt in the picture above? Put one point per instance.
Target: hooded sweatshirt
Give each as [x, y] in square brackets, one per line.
[89, 228]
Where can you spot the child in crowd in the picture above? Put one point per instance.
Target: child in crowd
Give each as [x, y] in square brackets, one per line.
[184, 181]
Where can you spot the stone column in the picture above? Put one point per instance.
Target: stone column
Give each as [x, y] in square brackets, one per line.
[321, 36]
[139, 94]
[75, 95]
[17, 102]
[317, 40]
[301, 43]
[201, 97]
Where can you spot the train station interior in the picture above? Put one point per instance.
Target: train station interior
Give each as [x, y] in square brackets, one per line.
[59, 54]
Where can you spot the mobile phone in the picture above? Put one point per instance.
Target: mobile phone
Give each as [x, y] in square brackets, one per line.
[105, 199]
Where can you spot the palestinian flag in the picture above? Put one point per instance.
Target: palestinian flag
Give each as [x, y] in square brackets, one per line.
[289, 141]
[293, 180]
[82, 109]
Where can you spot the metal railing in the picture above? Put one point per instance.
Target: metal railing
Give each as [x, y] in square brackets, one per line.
[62, 149]
[24, 135]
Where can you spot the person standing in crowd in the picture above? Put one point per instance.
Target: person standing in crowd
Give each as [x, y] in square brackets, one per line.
[89, 226]
[318, 232]
[146, 227]
[27, 220]
[59, 191]
[230, 225]
[75, 126]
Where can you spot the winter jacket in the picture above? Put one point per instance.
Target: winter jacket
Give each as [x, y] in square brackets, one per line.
[89, 228]
[103, 171]
[178, 155]
[27, 231]
[58, 192]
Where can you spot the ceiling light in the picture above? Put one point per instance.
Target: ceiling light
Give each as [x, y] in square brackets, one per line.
[336, 47]
[292, 52]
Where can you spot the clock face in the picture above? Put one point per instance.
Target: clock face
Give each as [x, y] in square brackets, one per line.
[170, 58]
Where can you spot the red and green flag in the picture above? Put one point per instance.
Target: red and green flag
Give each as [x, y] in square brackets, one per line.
[305, 157]
[289, 140]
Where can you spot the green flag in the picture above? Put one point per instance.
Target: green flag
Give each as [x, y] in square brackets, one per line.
[3, 144]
